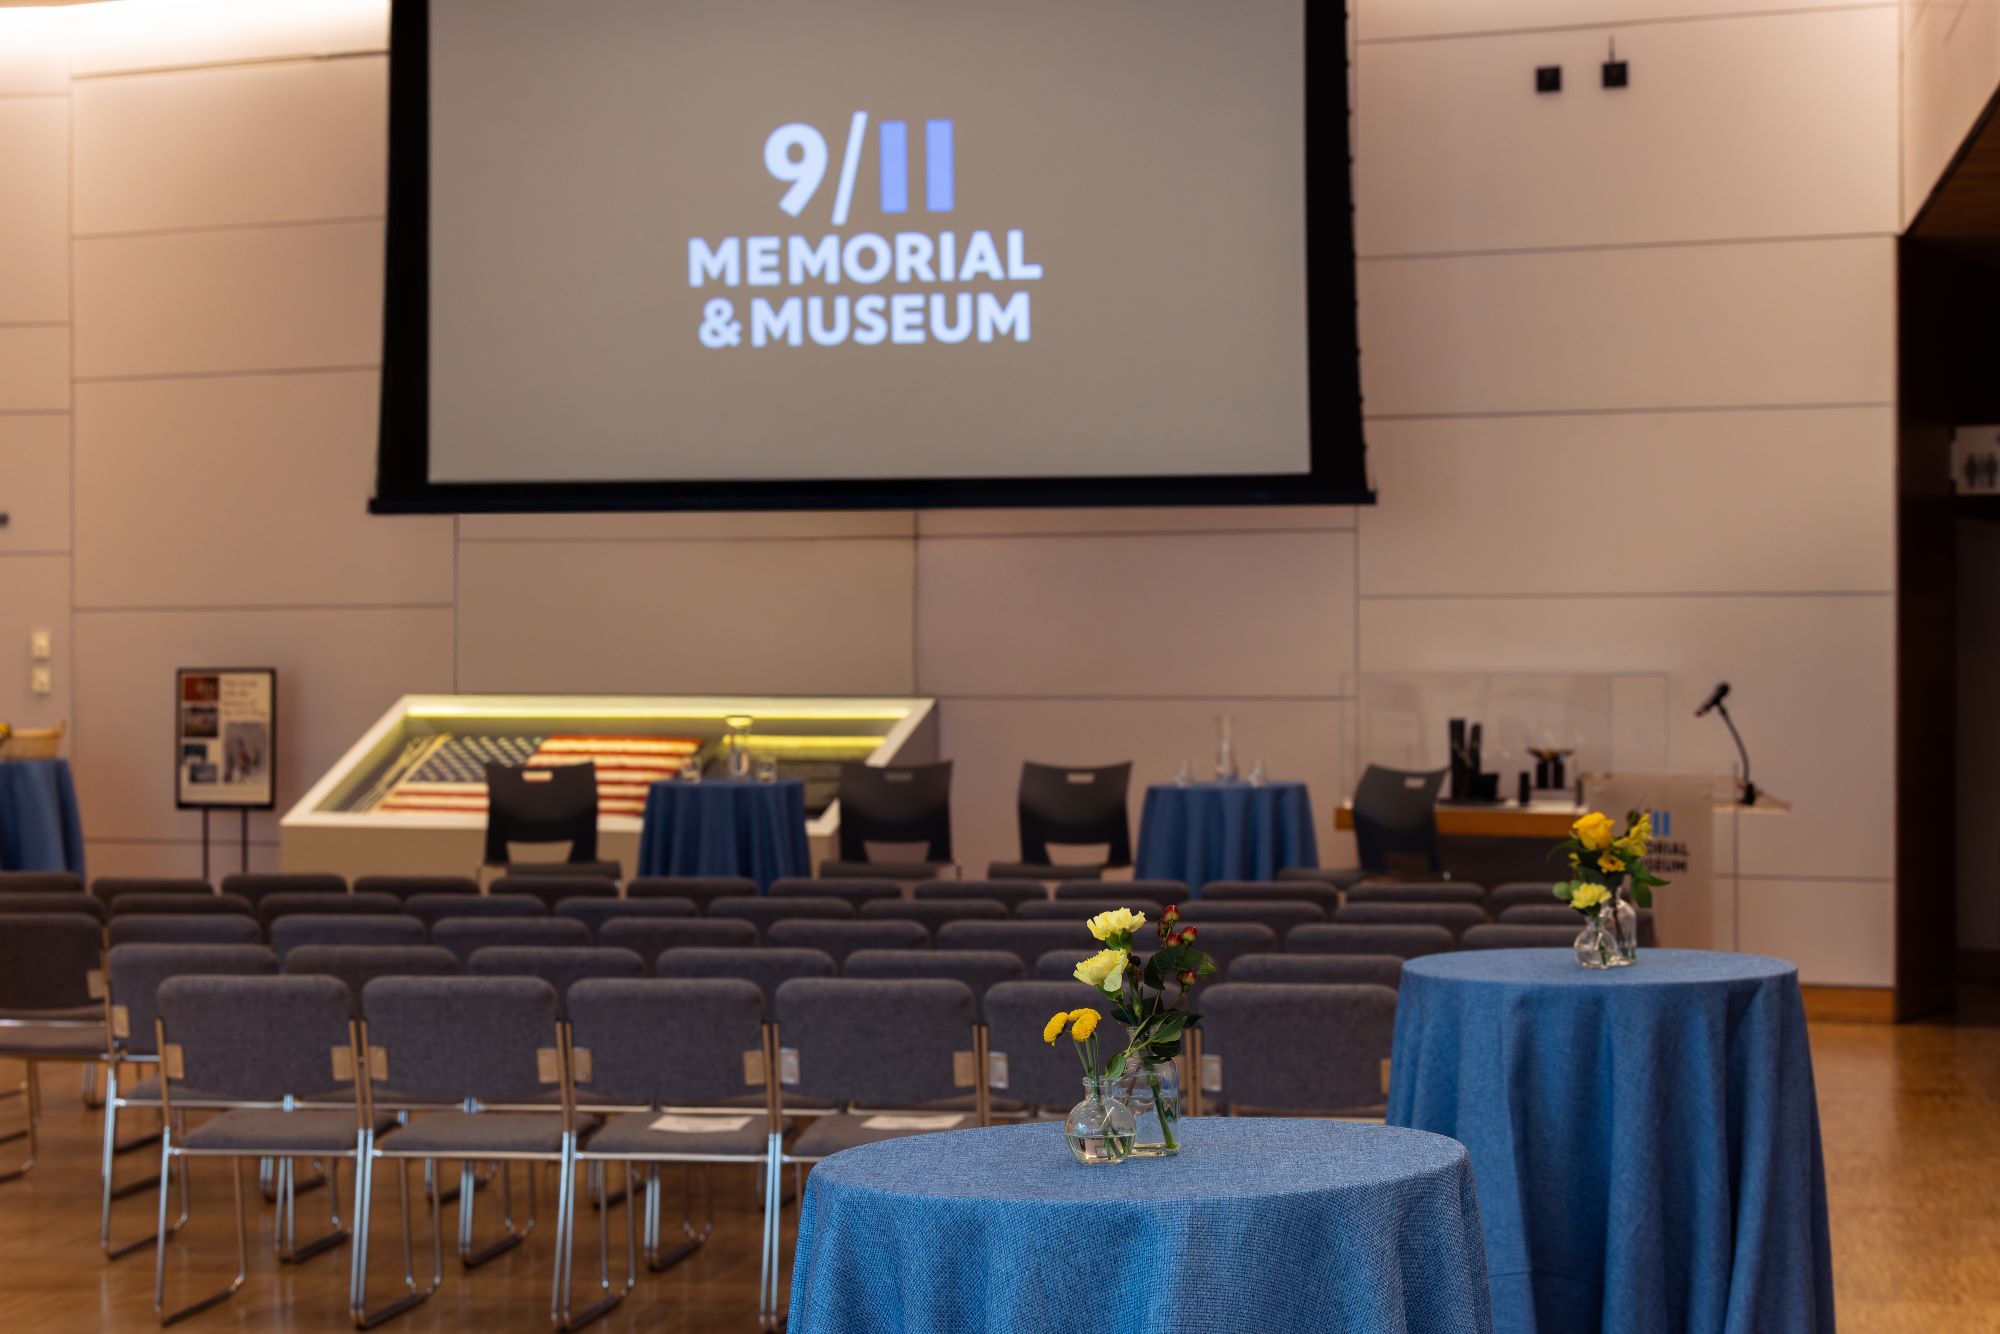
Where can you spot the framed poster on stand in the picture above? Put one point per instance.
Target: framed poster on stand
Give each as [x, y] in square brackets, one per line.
[225, 744]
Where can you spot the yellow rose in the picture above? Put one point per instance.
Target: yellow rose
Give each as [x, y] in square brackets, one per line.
[1083, 1023]
[1588, 896]
[1593, 831]
[1609, 864]
[1104, 970]
[1630, 849]
[1054, 1027]
[1119, 921]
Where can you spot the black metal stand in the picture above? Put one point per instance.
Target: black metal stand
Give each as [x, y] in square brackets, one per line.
[243, 857]
[1749, 788]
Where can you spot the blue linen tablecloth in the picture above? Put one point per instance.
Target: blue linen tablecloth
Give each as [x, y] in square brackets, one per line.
[1224, 831]
[40, 829]
[1259, 1225]
[1646, 1139]
[723, 826]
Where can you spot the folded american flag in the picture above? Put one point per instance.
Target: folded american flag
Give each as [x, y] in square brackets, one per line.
[450, 776]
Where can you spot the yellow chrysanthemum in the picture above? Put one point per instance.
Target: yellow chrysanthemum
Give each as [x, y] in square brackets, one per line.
[1593, 831]
[1104, 970]
[1610, 864]
[1083, 1023]
[1630, 849]
[1054, 1027]
[1119, 921]
[1588, 896]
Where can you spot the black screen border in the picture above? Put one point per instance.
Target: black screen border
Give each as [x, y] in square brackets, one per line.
[1338, 454]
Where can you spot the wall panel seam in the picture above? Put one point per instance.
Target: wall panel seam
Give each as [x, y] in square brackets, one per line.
[744, 540]
[1592, 247]
[1600, 25]
[190, 608]
[1791, 878]
[1650, 410]
[1070, 698]
[278, 224]
[36, 552]
[148, 377]
[247, 62]
[1627, 594]
[1018, 534]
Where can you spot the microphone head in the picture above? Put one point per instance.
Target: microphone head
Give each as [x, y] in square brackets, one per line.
[1715, 697]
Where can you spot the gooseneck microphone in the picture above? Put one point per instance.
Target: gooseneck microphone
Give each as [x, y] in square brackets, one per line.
[1714, 700]
[1714, 704]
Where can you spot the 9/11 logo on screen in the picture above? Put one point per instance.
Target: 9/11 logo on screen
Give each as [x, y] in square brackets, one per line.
[798, 157]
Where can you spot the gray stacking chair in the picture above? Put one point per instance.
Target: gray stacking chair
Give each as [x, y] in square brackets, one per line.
[594, 913]
[769, 968]
[979, 970]
[1514, 936]
[1013, 893]
[288, 933]
[560, 968]
[648, 937]
[880, 1044]
[1078, 910]
[1553, 913]
[463, 935]
[1453, 917]
[110, 888]
[133, 975]
[1417, 891]
[83, 905]
[1334, 877]
[1296, 1049]
[1027, 941]
[1405, 942]
[1325, 896]
[1225, 942]
[184, 929]
[647, 1046]
[553, 888]
[278, 1054]
[40, 882]
[934, 913]
[856, 890]
[1374, 970]
[160, 905]
[761, 912]
[49, 1009]
[1060, 965]
[434, 908]
[409, 886]
[1537, 892]
[278, 906]
[256, 886]
[1157, 891]
[1047, 1078]
[1277, 914]
[841, 939]
[358, 965]
[703, 889]
[492, 1049]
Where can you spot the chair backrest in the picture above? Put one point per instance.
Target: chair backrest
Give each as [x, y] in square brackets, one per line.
[1225, 942]
[1375, 970]
[841, 939]
[40, 882]
[1395, 819]
[446, 1039]
[1321, 894]
[133, 974]
[258, 1039]
[1537, 892]
[1075, 807]
[1418, 891]
[430, 909]
[1298, 1047]
[561, 968]
[124, 905]
[184, 929]
[934, 913]
[1514, 936]
[276, 907]
[409, 886]
[856, 892]
[907, 803]
[1551, 913]
[1278, 914]
[83, 905]
[258, 886]
[553, 889]
[46, 960]
[1080, 910]
[761, 912]
[111, 888]
[702, 889]
[594, 913]
[885, 1043]
[1453, 917]
[658, 1042]
[1041, 1073]
[768, 968]
[555, 804]
[358, 965]
[1026, 941]
[1156, 891]
[1013, 893]
[1405, 942]
[288, 933]
[463, 935]
[978, 969]
[649, 937]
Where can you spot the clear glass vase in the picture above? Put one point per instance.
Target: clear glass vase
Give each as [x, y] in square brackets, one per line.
[1624, 925]
[1225, 748]
[1152, 1093]
[1597, 944]
[1099, 1130]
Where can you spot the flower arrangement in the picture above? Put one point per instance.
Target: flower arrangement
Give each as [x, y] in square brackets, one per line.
[1150, 1000]
[1602, 858]
[1100, 1129]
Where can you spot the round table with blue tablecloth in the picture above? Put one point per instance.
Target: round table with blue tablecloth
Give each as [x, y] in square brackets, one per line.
[40, 828]
[1646, 1138]
[1224, 831]
[726, 827]
[1264, 1225]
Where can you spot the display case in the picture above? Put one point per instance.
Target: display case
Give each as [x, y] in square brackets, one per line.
[409, 797]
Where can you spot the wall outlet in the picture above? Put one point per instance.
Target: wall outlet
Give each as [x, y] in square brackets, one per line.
[41, 681]
[1548, 78]
[41, 647]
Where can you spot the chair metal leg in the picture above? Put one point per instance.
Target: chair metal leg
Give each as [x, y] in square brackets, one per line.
[364, 1201]
[160, 1243]
[513, 1234]
[31, 1097]
[111, 1191]
[604, 1198]
[286, 1233]
[773, 1265]
[659, 1262]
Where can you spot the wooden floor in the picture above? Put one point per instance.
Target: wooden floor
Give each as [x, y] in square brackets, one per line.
[1911, 1119]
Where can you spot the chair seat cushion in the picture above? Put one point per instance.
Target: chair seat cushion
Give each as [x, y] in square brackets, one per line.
[269, 1130]
[839, 870]
[49, 1042]
[472, 1134]
[1340, 877]
[828, 1135]
[1033, 871]
[632, 1136]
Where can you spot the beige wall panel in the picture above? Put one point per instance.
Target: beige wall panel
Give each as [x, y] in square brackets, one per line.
[34, 595]
[1951, 69]
[1378, 20]
[34, 218]
[34, 52]
[1840, 933]
[34, 369]
[133, 37]
[685, 527]
[34, 484]
[1145, 519]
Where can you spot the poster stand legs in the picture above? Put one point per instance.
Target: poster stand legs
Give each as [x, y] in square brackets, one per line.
[243, 861]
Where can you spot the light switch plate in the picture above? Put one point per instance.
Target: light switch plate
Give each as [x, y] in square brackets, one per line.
[41, 681]
[41, 646]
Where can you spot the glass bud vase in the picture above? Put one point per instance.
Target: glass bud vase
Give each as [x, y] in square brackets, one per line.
[1099, 1129]
[1152, 1093]
[1624, 926]
[1597, 944]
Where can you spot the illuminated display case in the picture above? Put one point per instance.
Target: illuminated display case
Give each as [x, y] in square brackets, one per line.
[409, 796]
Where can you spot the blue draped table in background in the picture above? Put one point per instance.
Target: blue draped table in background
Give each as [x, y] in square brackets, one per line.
[1224, 831]
[726, 827]
[40, 829]
[1263, 1225]
[1646, 1139]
